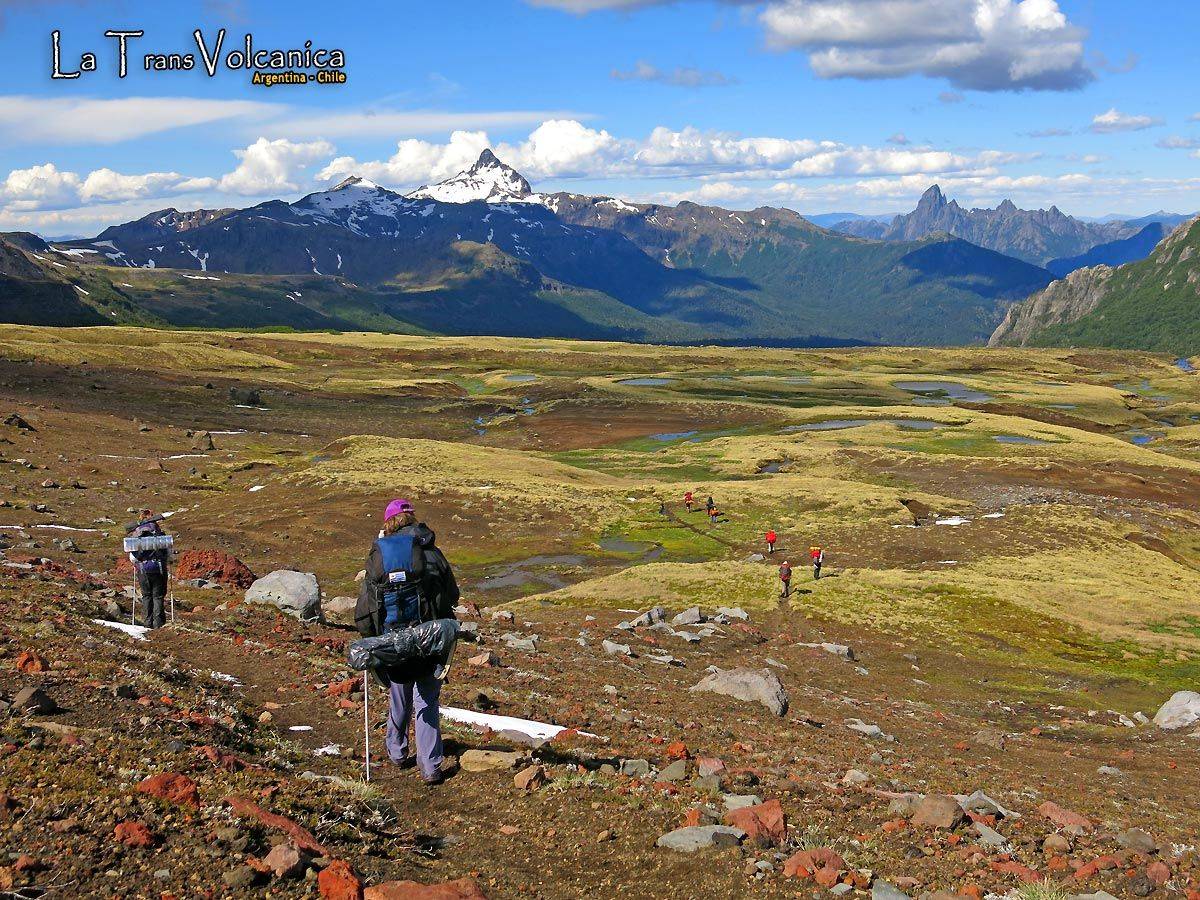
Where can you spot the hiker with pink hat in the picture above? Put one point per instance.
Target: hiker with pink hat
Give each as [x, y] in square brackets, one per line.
[408, 581]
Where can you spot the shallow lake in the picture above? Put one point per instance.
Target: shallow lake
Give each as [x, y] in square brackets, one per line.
[1017, 439]
[645, 382]
[840, 424]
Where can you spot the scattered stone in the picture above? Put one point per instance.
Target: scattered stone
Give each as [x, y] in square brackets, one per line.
[34, 701]
[491, 760]
[1056, 845]
[981, 803]
[171, 787]
[882, 890]
[520, 642]
[836, 649]
[502, 615]
[30, 662]
[735, 612]
[676, 771]
[690, 616]
[651, 617]
[750, 685]
[991, 737]
[938, 811]
[1138, 840]
[202, 441]
[286, 860]
[693, 838]
[341, 607]
[989, 837]
[484, 659]
[867, 730]
[905, 805]
[239, 879]
[1064, 818]
[765, 824]
[461, 889]
[295, 593]
[614, 649]
[133, 834]
[740, 801]
[468, 631]
[337, 881]
[821, 864]
[530, 778]
[1111, 771]
[1182, 710]
[635, 768]
[855, 777]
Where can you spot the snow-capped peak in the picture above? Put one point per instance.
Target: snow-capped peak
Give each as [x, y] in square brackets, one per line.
[488, 180]
[354, 181]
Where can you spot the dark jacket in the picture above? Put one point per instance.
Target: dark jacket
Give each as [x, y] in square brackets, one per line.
[438, 587]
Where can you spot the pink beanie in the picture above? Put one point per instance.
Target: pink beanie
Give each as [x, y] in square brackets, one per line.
[396, 507]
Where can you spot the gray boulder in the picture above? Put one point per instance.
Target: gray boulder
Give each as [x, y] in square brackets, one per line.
[882, 890]
[295, 593]
[340, 607]
[701, 837]
[752, 685]
[1182, 710]
[691, 616]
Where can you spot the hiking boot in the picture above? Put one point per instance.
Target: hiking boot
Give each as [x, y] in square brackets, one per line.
[407, 763]
[434, 778]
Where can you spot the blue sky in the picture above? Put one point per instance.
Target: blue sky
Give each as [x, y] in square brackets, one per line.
[818, 105]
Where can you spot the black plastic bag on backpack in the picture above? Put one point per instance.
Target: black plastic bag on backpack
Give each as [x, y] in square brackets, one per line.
[432, 640]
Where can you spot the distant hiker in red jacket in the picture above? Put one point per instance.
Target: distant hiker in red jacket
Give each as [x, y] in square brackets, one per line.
[688, 499]
[785, 576]
[818, 560]
[771, 538]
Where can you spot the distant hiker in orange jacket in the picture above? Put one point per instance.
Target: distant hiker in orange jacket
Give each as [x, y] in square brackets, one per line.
[713, 513]
[818, 560]
[771, 538]
[785, 576]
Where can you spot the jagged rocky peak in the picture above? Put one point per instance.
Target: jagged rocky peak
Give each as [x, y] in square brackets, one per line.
[933, 198]
[489, 180]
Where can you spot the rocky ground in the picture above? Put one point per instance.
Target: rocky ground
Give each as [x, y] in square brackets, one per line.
[707, 749]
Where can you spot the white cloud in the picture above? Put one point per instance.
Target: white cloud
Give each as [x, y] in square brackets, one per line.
[40, 187]
[1115, 121]
[415, 162]
[984, 45]
[391, 124]
[272, 166]
[556, 148]
[680, 76]
[105, 185]
[1179, 142]
[63, 120]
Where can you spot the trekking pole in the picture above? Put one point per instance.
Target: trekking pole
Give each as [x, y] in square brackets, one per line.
[172, 608]
[366, 726]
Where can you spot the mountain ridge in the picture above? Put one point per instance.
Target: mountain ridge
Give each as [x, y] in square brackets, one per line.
[481, 252]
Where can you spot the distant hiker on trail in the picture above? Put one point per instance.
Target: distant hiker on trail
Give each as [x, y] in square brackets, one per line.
[688, 499]
[408, 581]
[785, 576]
[818, 560]
[771, 538]
[151, 569]
[709, 506]
[713, 514]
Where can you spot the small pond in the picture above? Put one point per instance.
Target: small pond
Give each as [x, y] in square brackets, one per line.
[840, 424]
[953, 389]
[645, 382]
[520, 378]
[1018, 439]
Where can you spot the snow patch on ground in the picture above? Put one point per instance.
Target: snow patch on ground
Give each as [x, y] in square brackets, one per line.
[541, 731]
[137, 632]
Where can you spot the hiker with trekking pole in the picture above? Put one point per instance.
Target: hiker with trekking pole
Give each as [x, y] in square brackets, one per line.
[405, 613]
[149, 549]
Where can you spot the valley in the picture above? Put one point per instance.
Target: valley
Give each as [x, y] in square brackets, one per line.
[1009, 597]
